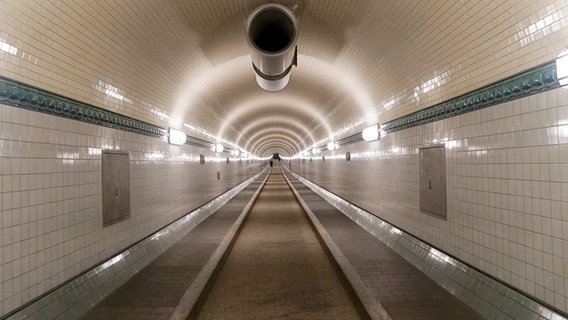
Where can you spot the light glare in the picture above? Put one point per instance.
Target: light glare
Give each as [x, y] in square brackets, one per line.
[176, 137]
[562, 68]
[371, 133]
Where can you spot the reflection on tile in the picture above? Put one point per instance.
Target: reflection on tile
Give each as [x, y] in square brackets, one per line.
[490, 298]
[50, 210]
[76, 297]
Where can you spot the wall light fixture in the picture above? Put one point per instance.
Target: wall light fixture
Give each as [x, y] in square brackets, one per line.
[562, 67]
[176, 137]
[371, 133]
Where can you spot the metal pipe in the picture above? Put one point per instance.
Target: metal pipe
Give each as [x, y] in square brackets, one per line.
[272, 31]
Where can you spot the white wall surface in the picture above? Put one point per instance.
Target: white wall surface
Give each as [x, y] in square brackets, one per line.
[507, 189]
[51, 200]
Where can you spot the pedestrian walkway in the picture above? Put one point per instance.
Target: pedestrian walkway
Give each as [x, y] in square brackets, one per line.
[277, 268]
[404, 292]
[156, 290]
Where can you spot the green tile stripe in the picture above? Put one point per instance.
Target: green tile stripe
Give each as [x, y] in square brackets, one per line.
[539, 79]
[23, 96]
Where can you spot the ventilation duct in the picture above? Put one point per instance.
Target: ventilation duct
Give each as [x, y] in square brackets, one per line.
[272, 33]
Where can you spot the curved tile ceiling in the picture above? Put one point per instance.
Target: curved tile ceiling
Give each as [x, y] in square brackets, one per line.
[359, 62]
[259, 124]
[271, 131]
[267, 139]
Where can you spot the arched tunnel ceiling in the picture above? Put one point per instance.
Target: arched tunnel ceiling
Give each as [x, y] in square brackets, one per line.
[359, 62]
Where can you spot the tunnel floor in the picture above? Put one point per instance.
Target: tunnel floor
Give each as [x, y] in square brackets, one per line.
[277, 268]
[402, 290]
[154, 292]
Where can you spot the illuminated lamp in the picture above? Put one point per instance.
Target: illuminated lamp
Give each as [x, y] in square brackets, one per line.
[176, 137]
[562, 67]
[371, 133]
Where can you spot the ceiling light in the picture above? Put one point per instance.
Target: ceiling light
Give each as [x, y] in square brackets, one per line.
[218, 147]
[332, 146]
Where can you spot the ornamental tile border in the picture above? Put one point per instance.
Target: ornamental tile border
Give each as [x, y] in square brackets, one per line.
[536, 80]
[26, 97]
[491, 298]
[72, 299]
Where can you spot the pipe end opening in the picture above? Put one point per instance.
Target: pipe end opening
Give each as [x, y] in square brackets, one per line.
[272, 31]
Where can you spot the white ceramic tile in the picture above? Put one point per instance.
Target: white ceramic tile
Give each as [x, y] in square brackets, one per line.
[530, 196]
[50, 151]
[50, 201]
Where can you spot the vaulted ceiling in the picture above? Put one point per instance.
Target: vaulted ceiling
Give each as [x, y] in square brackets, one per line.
[360, 62]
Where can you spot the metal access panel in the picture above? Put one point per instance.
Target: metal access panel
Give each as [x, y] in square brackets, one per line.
[433, 197]
[116, 186]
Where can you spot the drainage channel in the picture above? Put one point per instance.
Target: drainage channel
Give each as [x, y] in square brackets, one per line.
[277, 268]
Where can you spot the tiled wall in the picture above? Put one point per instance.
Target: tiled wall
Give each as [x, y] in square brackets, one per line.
[391, 58]
[58, 45]
[507, 174]
[507, 188]
[50, 196]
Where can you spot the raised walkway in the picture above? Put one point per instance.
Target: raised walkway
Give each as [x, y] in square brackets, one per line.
[270, 265]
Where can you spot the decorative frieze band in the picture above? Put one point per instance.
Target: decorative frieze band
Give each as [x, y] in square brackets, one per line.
[536, 80]
[539, 79]
[23, 96]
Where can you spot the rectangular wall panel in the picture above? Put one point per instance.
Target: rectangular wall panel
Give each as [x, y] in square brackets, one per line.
[433, 180]
[507, 189]
[116, 186]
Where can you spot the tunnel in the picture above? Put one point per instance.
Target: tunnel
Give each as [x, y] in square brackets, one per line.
[414, 164]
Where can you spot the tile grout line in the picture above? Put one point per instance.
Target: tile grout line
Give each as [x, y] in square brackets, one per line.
[192, 295]
[427, 258]
[373, 307]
